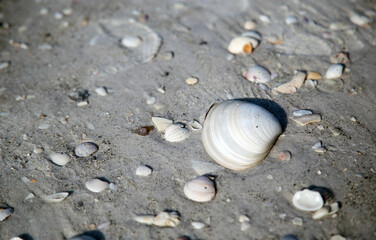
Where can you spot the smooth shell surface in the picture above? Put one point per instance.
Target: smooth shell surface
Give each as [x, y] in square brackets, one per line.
[258, 74]
[130, 41]
[240, 45]
[239, 134]
[56, 197]
[60, 158]
[307, 200]
[176, 132]
[143, 171]
[86, 149]
[200, 189]
[5, 213]
[334, 71]
[96, 185]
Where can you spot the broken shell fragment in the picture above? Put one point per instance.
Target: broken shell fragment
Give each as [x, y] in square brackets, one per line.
[60, 158]
[163, 219]
[360, 20]
[257, 74]
[101, 91]
[307, 200]
[307, 119]
[292, 86]
[5, 213]
[321, 213]
[176, 132]
[238, 134]
[144, 219]
[86, 149]
[56, 197]
[302, 112]
[198, 225]
[161, 123]
[313, 75]
[334, 71]
[200, 189]
[240, 45]
[96, 185]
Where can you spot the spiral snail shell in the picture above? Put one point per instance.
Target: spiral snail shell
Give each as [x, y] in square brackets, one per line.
[239, 134]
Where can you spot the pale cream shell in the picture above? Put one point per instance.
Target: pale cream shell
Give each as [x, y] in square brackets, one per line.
[60, 158]
[237, 44]
[200, 189]
[176, 132]
[56, 197]
[96, 185]
[239, 134]
[307, 200]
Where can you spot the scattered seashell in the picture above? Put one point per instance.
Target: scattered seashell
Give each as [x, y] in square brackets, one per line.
[86, 149]
[143, 131]
[264, 18]
[297, 221]
[239, 134]
[313, 75]
[130, 42]
[4, 65]
[144, 171]
[320, 149]
[353, 119]
[258, 74]
[5, 213]
[29, 196]
[161, 123]
[38, 150]
[317, 145]
[341, 57]
[43, 11]
[289, 20]
[195, 125]
[244, 226]
[43, 125]
[60, 158]
[79, 95]
[240, 45]
[163, 219]
[307, 119]
[96, 185]
[360, 20]
[167, 56]
[67, 11]
[16, 238]
[337, 237]
[198, 225]
[200, 189]
[252, 34]
[292, 86]
[334, 207]
[101, 91]
[243, 218]
[176, 132]
[334, 71]
[307, 200]
[310, 84]
[58, 15]
[336, 131]
[56, 197]
[284, 156]
[321, 213]
[191, 81]
[249, 25]
[299, 113]
[45, 47]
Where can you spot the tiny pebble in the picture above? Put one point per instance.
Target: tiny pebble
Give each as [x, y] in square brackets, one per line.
[43, 125]
[284, 156]
[320, 127]
[307, 119]
[83, 103]
[167, 56]
[45, 47]
[249, 25]
[151, 100]
[334, 71]
[278, 189]
[289, 20]
[191, 81]
[353, 119]
[314, 75]
[319, 172]
[43, 11]
[282, 216]
[198, 225]
[4, 65]
[90, 126]
[297, 221]
[243, 218]
[101, 91]
[67, 11]
[264, 18]
[336, 131]
[58, 15]
[317, 145]
[270, 177]
[143, 171]
[143, 131]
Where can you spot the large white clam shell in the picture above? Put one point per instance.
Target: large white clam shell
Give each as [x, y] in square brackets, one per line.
[239, 134]
[200, 189]
[307, 200]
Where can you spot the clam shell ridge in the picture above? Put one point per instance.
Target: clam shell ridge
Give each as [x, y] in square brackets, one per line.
[239, 134]
[200, 189]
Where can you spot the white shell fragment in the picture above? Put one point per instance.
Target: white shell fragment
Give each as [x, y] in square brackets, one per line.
[176, 132]
[299, 113]
[292, 86]
[258, 74]
[86, 149]
[200, 189]
[101, 91]
[307, 119]
[195, 125]
[143, 171]
[307, 200]
[198, 225]
[334, 71]
[321, 213]
[239, 134]
[240, 45]
[297, 221]
[130, 41]
[56, 197]
[360, 20]
[5, 213]
[96, 185]
[289, 20]
[163, 219]
[161, 123]
[4, 65]
[60, 158]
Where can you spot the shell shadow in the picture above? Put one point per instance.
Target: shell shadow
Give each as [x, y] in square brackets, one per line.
[95, 234]
[26, 236]
[272, 107]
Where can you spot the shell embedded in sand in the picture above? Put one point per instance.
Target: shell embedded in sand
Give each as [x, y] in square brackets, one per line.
[96, 185]
[176, 132]
[307, 200]
[258, 74]
[200, 189]
[240, 45]
[56, 197]
[239, 134]
[334, 71]
[163, 219]
[161, 123]
[143, 171]
[5, 213]
[60, 158]
[131, 41]
[86, 149]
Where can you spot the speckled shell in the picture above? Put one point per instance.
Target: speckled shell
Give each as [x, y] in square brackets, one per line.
[176, 132]
[86, 149]
[200, 189]
[307, 200]
[239, 134]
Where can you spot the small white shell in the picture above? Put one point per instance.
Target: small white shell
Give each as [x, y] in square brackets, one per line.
[258, 74]
[60, 158]
[5, 213]
[307, 200]
[360, 20]
[249, 25]
[56, 197]
[16, 238]
[143, 171]
[161, 123]
[166, 219]
[101, 91]
[291, 20]
[200, 189]
[130, 41]
[176, 132]
[240, 45]
[334, 71]
[239, 134]
[86, 149]
[198, 225]
[96, 185]
[322, 212]
[144, 219]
